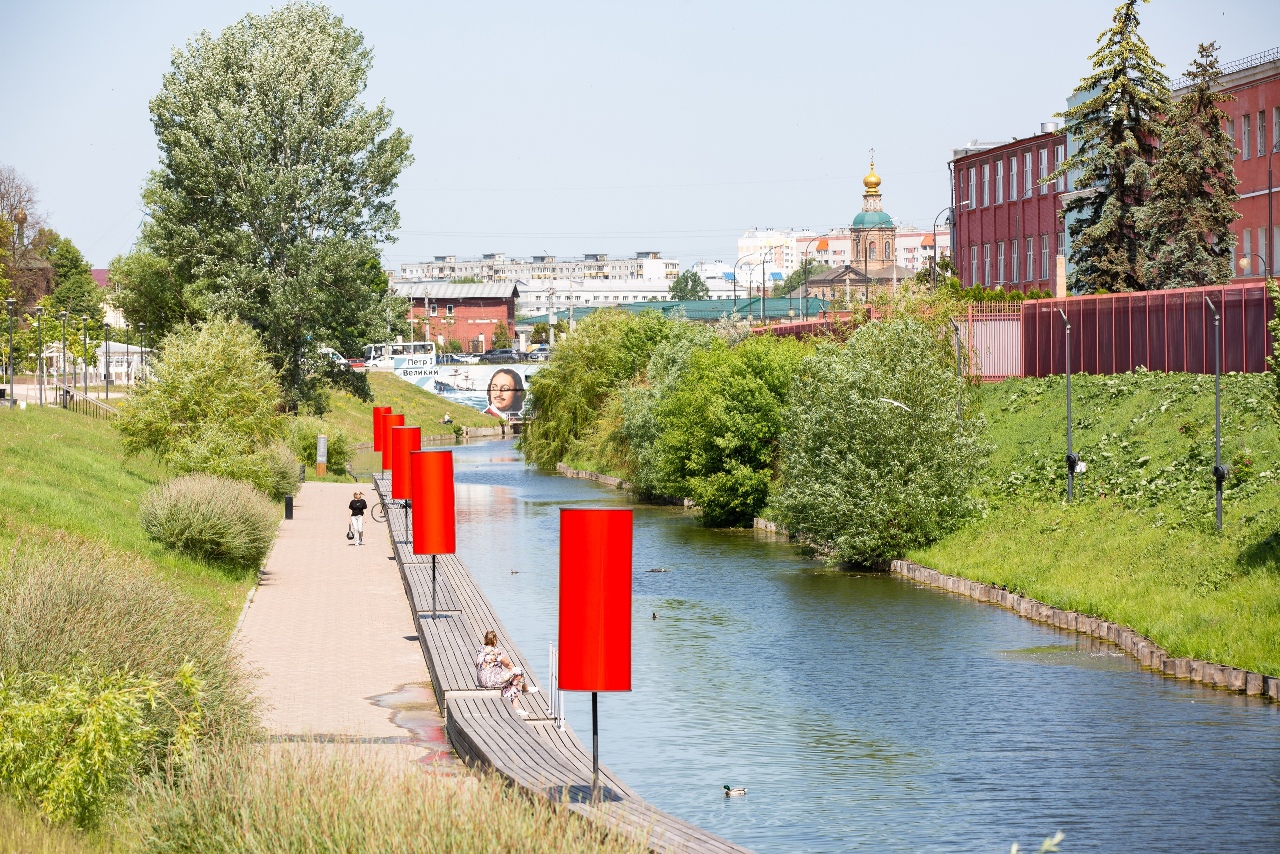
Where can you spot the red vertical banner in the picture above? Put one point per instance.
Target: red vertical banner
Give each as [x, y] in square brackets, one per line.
[404, 440]
[378, 413]
[388, 421]
[595, 600]
[434, 521]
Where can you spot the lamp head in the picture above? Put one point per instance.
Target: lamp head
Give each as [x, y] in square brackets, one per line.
[39, 311]
[1243, 263]
[62, 315]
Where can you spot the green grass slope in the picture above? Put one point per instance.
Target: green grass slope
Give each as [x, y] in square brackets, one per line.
[1138, 546]
[61, 471]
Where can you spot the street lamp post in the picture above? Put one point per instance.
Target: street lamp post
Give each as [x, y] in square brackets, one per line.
[40, 354]
[1072, 458]
[106, 359]
[959, 372]
[735, 279]
[62, 315]
[142, 348]
[9, 304]
[933, 274]
[1245, 262]
[84, 327]
[128, 370]
[1219, 470]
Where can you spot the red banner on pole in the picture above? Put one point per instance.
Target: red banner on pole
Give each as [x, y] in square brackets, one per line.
[378, 412]
[595, 600]
[404, 440]
[433, 515]
[388, 421]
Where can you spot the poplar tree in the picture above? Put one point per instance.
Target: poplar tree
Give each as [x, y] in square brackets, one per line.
[274, 189]
[1116, 130]
[1187, 221]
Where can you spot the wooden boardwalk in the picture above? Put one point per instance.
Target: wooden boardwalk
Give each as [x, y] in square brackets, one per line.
[485, 730]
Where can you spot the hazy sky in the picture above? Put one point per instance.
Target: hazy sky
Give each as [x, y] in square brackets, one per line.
[604, 127]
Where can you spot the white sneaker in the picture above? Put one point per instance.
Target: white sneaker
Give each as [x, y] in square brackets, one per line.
[522, 713]
[532, 689]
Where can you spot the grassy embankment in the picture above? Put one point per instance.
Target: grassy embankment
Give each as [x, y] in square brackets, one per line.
[420, 408]
[61, 471]
[1138, 547]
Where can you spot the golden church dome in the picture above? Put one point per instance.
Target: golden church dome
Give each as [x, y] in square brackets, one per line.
[872, 181]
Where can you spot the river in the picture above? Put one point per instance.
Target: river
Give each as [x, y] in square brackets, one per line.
[863, 712]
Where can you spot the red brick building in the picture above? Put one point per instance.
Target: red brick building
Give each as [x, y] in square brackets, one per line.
[469, 313]
[1254, 123]
[1008, 226]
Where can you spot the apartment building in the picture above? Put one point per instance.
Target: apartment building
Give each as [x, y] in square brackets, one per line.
[497, 267]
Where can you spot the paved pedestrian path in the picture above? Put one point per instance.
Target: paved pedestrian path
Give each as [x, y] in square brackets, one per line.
[331, 637]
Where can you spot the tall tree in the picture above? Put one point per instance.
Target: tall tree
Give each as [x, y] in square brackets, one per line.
[797, 277]
[74, 288]
[689, 285]
[1116, 129]
[1187, 221]
[274, 187]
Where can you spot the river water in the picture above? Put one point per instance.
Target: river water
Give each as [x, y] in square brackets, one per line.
[865, 713]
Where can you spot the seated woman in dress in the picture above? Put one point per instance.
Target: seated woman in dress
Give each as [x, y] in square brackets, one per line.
[495, 670]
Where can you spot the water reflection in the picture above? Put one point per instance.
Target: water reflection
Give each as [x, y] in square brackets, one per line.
[865, 713]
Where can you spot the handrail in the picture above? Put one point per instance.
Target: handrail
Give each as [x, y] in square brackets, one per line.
[78, 401]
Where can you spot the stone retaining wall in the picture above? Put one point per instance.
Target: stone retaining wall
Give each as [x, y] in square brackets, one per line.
[1148, 653]
[607, 480]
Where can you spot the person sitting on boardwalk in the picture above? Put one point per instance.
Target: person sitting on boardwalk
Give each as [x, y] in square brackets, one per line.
[495, 670]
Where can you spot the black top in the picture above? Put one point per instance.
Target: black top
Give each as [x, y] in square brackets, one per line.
[357, 506]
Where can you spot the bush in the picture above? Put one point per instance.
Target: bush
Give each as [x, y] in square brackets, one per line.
[210, 404]
[864, 478]
[211, 517]
[606, 350]
[711, 429]
[302, 440]
[87, 639]
[258, 801]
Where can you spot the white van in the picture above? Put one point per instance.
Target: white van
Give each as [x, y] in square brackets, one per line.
[382, 356]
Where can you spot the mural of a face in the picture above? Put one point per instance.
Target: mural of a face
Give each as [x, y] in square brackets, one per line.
[506, 391]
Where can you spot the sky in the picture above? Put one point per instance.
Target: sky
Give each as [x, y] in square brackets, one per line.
[568, 128]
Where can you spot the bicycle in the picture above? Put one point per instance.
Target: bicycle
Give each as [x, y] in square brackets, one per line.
[379, 513]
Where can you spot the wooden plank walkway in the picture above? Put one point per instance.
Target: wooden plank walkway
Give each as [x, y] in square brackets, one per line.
[532, 752]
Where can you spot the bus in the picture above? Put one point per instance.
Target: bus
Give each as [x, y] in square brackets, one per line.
[383, 356]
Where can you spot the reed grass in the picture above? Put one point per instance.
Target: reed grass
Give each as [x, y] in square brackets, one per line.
[254, 800]
[23, 832]
[211, 517]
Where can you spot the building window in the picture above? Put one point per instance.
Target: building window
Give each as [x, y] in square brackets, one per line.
[1044, 256]
[973, 188]
[871, 250]
[1013, 178]
[1026, 175]
[1044, 170]
[448, 309]
[986, 185]
[986, 263]
[1262, 251]
[973, 265]
[1262, 133]
[1245, 138]
[1246, 266]
[1059, 152]
[1013, 260]
[1000, 279]
[1062, 243]
[1231, 131]
[888, 251]
[1275, 128]
[1000, 181]
[1031, 259]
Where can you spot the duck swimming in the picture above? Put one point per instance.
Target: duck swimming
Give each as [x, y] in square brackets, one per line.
[730, 792]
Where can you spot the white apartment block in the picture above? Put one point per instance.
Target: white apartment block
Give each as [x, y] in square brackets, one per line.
[773, 249]
[542, 295]
[718, 277]
[914, 246]
[497, 267]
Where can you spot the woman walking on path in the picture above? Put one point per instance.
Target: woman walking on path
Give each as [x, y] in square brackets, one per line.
[495, 670]
[358, 507]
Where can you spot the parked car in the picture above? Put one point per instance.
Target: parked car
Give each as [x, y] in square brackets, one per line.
[539, 353]
[500, 354]
[356, 363]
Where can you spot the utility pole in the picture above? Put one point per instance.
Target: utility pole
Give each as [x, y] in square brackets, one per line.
[1072, 458]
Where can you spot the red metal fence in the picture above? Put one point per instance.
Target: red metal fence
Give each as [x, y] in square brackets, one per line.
[1160, 330]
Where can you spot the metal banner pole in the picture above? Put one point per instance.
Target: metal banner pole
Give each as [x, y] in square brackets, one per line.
[1219, 473]
[1071, 457]
[595, 750]
[433, 587]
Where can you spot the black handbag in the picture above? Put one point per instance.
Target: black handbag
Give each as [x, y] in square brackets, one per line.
[351, 535]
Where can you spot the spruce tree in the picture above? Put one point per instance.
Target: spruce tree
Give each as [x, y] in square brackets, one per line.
[1187, 221]
[1116, 131]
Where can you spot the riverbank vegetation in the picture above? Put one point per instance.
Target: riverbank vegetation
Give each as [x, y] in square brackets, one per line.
[741, 423]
